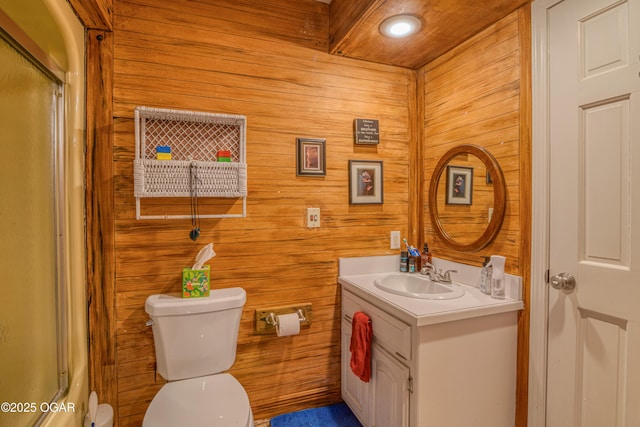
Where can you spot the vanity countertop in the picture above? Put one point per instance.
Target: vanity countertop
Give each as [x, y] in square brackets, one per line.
[418, 312]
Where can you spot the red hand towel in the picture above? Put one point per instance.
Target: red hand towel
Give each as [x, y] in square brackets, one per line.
[360, 346]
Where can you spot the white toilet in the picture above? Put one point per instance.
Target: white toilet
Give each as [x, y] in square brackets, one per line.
[195, 340]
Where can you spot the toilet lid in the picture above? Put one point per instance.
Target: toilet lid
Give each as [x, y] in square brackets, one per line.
[211, 401]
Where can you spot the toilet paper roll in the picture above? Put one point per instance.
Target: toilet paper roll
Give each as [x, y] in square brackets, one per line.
[288, 324]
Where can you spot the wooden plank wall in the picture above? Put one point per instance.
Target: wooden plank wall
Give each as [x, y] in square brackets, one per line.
[472, 97]
[479, 93]
[267, 61]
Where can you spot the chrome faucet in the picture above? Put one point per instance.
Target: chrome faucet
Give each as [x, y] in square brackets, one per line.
[446, 277]
[429, 270]
[434, 274]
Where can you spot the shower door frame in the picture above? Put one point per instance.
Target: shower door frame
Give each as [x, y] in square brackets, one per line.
[12, 34]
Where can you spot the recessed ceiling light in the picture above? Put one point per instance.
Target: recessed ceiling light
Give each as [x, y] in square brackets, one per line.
[400, 26]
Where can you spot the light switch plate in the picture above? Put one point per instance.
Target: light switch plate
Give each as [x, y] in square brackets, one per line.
[313, 217]
[394, 241]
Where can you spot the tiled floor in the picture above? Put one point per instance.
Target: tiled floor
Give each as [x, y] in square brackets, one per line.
[262, 423]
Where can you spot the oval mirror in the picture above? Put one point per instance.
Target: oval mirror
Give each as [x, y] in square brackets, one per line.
[467, 198]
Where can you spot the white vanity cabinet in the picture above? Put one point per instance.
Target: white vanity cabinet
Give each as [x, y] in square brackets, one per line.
[456, 370]
[384, 400]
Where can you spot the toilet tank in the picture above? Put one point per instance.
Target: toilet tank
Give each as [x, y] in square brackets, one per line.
[195, 337]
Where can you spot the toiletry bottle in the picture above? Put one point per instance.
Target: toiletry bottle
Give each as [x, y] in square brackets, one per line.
[425, 256]
[497, 276]
[485, 276]
[417, 263]
[404, 261]
[412, 264]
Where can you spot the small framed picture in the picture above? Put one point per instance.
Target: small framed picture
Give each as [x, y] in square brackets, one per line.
[311, 157]
[459, 185]
[365, 182]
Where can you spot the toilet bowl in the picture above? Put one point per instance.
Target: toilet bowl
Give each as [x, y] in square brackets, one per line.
[212, 401]
[195, 342]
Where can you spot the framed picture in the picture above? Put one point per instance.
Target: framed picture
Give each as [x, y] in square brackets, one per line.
[459, 185]
[365, 182]
[311, 157]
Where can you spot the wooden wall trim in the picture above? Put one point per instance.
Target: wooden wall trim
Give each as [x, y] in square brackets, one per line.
[522, 387]
[100, 217]
[415, 224]
[344, 16]
[94, 14]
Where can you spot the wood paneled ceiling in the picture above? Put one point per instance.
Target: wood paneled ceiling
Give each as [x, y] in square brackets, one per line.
[445, 24]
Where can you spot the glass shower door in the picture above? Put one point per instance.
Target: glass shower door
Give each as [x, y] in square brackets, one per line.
[31, 347]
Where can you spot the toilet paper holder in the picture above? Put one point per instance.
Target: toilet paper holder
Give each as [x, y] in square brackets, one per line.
[266, 319]
[272, 319]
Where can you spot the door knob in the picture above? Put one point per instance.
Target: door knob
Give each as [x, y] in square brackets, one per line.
[563, 282]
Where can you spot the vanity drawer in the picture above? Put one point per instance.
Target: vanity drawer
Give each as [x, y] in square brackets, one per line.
[388, 332]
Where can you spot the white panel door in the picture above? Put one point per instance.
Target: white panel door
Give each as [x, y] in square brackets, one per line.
[354, 391]
[390, 397]
[593, 371]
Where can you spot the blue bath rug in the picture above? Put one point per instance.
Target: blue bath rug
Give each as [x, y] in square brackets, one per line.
[338, 415]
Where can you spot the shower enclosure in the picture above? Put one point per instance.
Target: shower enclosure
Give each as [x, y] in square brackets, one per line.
[42, 278]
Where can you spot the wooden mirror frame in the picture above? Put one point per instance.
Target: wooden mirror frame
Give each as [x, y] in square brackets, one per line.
[499, 197]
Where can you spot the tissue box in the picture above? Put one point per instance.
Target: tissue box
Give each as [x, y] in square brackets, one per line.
[195, 283]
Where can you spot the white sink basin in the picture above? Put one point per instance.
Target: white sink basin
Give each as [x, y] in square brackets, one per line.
[414, 286]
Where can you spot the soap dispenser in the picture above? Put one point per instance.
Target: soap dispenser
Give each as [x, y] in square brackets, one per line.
[497, 276]
[485, 276]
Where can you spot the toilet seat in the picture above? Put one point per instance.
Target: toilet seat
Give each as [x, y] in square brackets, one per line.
[212, 401]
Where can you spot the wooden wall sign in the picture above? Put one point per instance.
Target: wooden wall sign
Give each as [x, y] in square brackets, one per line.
[366, 131]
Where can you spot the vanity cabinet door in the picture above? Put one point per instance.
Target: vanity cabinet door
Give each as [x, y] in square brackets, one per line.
[354, 391]
[390, 382]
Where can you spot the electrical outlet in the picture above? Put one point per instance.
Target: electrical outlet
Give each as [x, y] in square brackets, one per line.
[394, 242]
[313, 217]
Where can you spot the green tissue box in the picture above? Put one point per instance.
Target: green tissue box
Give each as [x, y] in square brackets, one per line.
[195, 283]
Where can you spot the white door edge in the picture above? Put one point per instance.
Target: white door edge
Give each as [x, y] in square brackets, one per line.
[540, 215]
